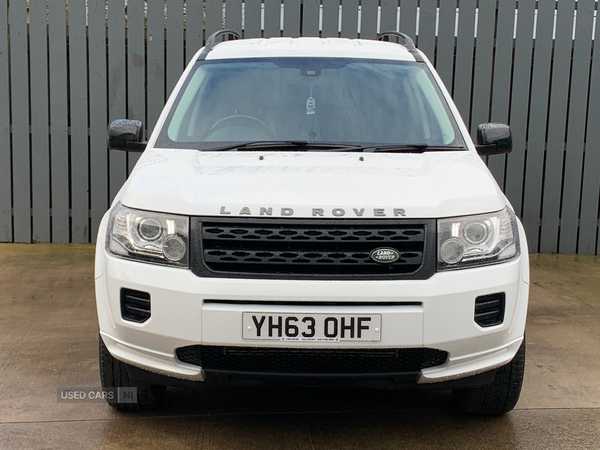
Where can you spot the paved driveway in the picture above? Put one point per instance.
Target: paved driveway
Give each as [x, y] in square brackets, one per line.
[48, 338]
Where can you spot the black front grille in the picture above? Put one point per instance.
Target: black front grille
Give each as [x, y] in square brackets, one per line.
[303, 248]
[489, 309]
[311, 361]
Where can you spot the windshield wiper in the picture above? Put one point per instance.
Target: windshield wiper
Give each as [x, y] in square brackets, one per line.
[332, 147]
[397, 148]
[263, 145]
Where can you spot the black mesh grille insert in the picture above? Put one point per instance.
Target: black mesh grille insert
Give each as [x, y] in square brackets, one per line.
[135, 305]
[489, 309]
[311, 361]
[308, 247]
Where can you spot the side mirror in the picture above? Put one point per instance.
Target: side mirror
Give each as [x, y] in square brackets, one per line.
[493, 139]
[124, 134]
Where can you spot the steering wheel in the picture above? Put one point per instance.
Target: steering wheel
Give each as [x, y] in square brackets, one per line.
[241, 120]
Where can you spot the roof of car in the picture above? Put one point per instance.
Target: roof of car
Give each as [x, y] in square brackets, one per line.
[310, 47]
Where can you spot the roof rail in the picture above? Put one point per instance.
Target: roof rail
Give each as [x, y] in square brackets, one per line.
[408, 42]
[212, 41]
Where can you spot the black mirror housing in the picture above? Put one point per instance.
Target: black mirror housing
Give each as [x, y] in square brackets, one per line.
[493, 139]
[125, 134]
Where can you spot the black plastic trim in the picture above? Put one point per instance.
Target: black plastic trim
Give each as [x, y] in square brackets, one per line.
[212, 41]
[408, 42]
[425, 271]
[490, 309]
[377, 381]
[311, 361]
[308, 303]
[381, 381]
[135, 305]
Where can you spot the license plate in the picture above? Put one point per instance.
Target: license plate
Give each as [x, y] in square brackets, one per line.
[312, 327]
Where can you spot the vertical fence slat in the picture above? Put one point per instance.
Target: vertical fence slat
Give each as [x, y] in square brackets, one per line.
[590, 191]
[252, 19]
[6, 234]
[349, 18]
[310, 18]
[482, 73]
[557, 120]
[156, 60]
[464, 58]
[538, 110]
[408, 17]
[175, 41]
[576, 127]
[79, 121]
[444, 60]
[233, 15]
[194, 32]
[503, 61]
[19, 73]
[520, 103]
[368, 19]
[214, 17]
[117, 161]
[291, 18]
[59, 138]
[427, 17]
[136, 61]
[40, 142]
[98, 117]
[331, 14]
[389, 15]
[272, 18]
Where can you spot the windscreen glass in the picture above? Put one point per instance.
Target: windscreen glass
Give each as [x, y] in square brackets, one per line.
[358, 102]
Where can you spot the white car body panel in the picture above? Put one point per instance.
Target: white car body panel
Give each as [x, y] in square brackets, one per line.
[428, 185]
[201, 183]
[310, 47]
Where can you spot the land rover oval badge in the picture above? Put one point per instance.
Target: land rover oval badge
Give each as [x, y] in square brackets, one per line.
[385, 255]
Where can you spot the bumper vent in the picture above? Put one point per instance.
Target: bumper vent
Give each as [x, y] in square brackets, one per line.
[489, 309]
[135, 305]
[310, 248]
[310, 361]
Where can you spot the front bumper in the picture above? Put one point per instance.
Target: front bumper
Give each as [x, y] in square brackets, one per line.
[438, 313]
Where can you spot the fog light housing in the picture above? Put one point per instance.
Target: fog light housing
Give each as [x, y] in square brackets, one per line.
[489, 309]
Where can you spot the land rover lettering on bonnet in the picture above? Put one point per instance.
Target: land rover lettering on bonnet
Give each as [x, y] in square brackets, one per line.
[315, 212]
[312, 211]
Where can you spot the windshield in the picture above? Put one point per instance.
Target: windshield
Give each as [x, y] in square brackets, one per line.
[325, 100]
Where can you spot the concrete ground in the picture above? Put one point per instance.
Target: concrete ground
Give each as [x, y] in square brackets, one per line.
[48, 339]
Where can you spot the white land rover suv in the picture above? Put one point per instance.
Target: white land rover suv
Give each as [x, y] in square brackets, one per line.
[312, 211]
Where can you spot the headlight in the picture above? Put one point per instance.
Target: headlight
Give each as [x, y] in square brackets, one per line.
[148, 236]
[477, 240]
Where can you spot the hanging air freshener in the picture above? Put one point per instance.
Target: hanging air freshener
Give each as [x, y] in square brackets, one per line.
[310, 104]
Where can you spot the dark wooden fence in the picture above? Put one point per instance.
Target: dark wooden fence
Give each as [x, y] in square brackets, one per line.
[67, 68]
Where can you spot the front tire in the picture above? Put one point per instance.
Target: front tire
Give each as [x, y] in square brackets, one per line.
[501, 395]
[114, 374]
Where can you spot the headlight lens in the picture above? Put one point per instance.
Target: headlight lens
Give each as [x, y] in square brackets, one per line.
[148, 236]
[477, 240]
